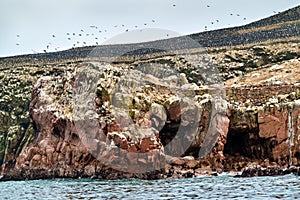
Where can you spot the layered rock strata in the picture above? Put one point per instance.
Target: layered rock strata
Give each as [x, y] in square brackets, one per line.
[89, 125]
[172, 122]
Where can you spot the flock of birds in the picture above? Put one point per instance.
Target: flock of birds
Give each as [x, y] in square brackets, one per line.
[96, 34]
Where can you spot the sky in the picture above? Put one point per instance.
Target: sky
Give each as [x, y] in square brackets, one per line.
[37, 26]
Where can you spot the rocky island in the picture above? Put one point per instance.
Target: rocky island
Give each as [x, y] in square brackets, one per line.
[219, 101]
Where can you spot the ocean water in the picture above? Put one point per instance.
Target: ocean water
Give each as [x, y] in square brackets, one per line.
[220, 187]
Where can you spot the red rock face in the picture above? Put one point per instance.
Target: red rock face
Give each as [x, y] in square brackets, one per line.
[220, 135]
[273, 125]
[296, 139]
[68, 148]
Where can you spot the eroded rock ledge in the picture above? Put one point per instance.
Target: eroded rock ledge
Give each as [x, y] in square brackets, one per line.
[89, 126]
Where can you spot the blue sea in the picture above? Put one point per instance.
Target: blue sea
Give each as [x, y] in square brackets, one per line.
[219, 187]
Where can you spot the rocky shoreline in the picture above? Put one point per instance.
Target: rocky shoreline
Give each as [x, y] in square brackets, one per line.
[182, 114]
[238, 132]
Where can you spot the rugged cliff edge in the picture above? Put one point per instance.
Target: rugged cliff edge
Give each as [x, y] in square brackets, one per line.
[166, 114]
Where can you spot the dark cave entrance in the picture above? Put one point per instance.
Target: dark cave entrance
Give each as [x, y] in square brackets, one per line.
[246, 143]
[237, 144]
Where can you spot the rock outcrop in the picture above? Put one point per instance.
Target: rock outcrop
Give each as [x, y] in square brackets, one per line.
[161, 115]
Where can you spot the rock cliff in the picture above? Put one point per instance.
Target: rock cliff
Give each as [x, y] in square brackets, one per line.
[166, 114]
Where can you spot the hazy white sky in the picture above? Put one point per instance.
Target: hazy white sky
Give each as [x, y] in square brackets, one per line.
[29, 26]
